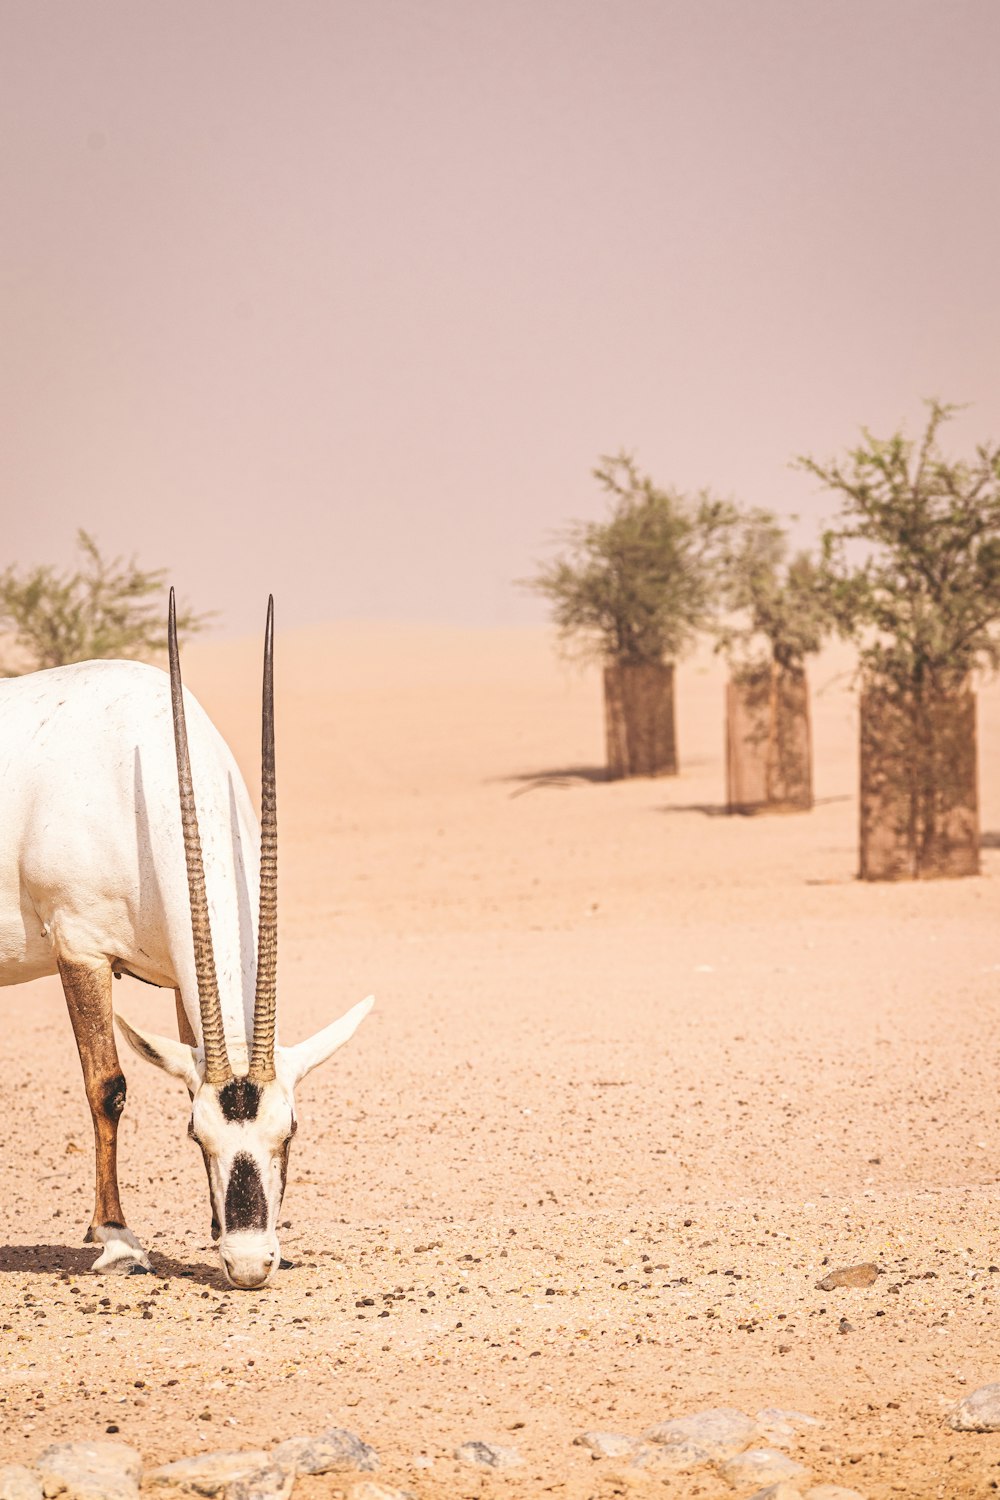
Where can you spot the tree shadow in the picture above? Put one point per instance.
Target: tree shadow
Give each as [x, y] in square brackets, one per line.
[561, 777]
[52, 1259]
[707, 809]
[723, 810]
[989, 840]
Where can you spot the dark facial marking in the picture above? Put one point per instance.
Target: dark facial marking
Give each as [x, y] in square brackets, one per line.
[113, 1098]
[246, 1206]
[239, 1099]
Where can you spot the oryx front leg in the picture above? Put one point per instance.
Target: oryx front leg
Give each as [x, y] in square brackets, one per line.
[88, 997]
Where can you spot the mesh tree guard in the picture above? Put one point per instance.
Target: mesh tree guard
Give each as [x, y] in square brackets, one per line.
[919, 784]
[769, 742]
[639, 719]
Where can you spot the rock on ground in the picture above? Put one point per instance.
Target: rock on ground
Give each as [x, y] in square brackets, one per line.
[761, 1466]
[850, 1276]
[488, 1455]
[275, 1482]
[977, 1412]
[777, 1426]
[780, 1491]
[607, 1444]
[832, 1492]
[370, 1489]
[335, 1451]
[784, 1490]
[19, 1483]
[671, 1458]
[210, 1473]
[652, 1459]
[721, 1432]
[100, 1470]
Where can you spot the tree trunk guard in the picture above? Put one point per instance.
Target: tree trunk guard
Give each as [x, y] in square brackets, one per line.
[769, 742]
[639, 720]
[919, 784]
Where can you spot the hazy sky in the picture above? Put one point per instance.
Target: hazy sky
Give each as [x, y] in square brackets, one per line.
[342, 298]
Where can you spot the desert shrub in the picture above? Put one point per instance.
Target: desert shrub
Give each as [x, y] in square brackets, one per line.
[637, 587]
[911, 568]
[103, 608]
[776, 608]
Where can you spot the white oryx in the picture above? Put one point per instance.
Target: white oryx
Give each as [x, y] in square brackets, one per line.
[103, 871]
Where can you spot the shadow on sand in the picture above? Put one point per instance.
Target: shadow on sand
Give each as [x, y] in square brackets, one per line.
[562, 776]
[567, 776]
[707, 809]
[52, 1259]
[721, 809]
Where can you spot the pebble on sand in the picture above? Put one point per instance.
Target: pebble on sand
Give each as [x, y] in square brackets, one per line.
[721, 1432]
[100, 1470]
[19, 1483]
[607, 1444]
[335, 1451]
[977, 1412]
[850, 1276]
[488, 1455]
[761, 1466]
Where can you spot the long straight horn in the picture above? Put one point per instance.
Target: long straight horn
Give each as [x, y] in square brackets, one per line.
[217, 1068]
[266, 997]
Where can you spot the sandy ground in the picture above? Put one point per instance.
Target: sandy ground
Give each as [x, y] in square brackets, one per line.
[639, 1073]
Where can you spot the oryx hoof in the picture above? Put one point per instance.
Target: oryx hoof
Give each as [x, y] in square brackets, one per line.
[121, 1255]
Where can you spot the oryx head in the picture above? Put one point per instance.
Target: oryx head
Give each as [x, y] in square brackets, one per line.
[243, 1123]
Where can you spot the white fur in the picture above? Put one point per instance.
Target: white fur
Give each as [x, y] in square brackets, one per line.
[295, 1062]
[94, 858]
[93, 870]
[121, 1251]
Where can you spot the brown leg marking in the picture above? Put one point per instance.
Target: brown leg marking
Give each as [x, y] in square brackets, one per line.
[187, 1035]
[88, 997]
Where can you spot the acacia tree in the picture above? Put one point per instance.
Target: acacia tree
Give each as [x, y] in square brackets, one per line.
[778, 612]
[103, 608]
[776, 618]
[633, 591]
[911, 571]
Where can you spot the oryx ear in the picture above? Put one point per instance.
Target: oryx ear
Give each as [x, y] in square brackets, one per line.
[302, 1058]
[175, 1058]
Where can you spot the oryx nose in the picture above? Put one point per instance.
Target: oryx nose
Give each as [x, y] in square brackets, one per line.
[248, 1271]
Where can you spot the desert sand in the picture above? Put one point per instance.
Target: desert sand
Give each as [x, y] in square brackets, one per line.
[639, 1074]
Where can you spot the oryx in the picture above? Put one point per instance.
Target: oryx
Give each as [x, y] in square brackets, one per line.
[104, 870]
